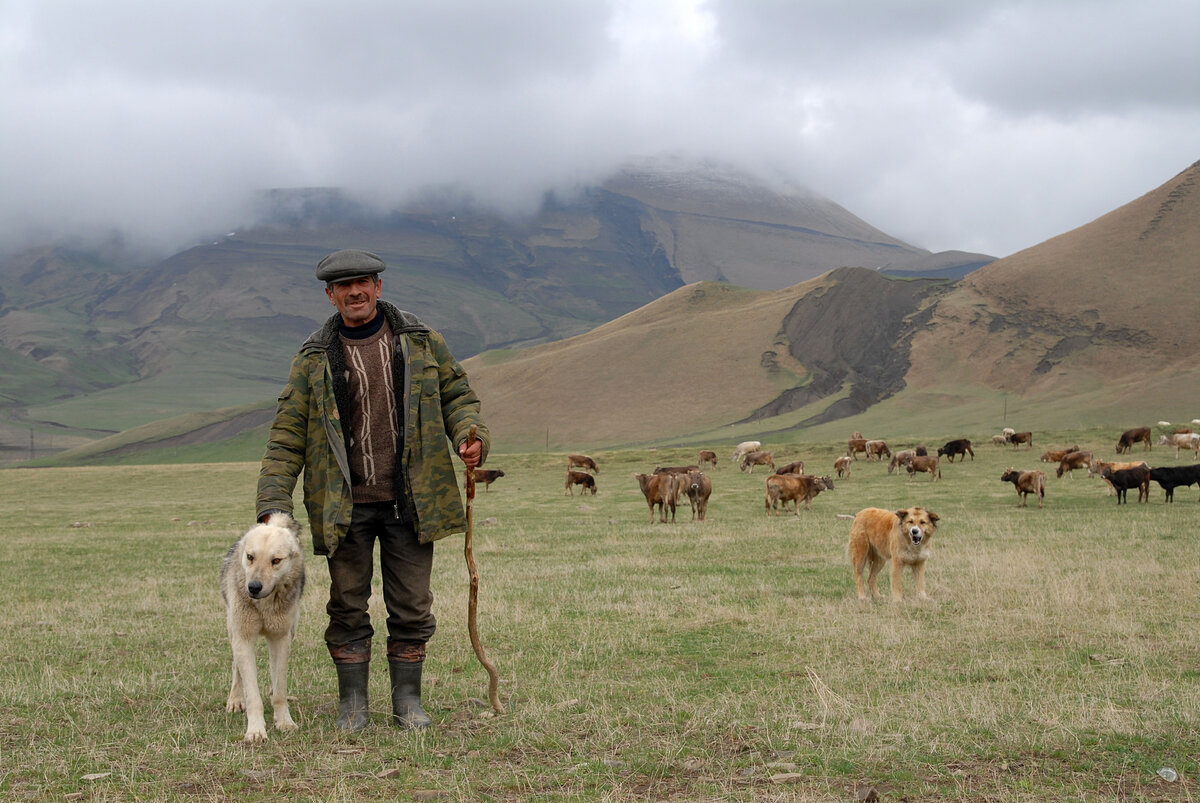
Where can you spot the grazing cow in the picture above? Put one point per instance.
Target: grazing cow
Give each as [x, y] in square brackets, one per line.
[841, 466]
[1131, 436]
[1182, 440]
[707, 456]
[582, 478]
[744, 448]
[1073, 460]
[1026, 483]
[877, 450]
[900, 457]
[795, 467]
[1124, 479]
[1017, 438]
[752, 459]
[581, 461]
[929, 464]
[675, 469]
[698, 488]
[487, 476]
[794, 488]
[661, 491]
[1057, 455]
[960, 447]
[1171, 477]
[856, 445]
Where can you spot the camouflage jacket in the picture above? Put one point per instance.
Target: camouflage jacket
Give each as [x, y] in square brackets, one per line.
[307, 434]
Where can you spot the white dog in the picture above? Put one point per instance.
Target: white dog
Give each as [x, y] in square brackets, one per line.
[262, 578]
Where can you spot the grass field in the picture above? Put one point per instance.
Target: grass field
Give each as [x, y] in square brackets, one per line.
[722, 660]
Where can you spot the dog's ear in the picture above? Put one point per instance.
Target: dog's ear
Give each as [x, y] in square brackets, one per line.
[935, 518]
[900, 514]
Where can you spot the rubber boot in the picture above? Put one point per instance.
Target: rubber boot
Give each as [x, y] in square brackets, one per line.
[406, 695]
[353, 714]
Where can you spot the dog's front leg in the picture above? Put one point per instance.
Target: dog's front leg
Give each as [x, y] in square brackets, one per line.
[234, 701]
[897, 572]
[243, 656]
[279, 649]
[919, 579]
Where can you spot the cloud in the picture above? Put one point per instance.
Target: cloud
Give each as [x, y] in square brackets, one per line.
[984, 126]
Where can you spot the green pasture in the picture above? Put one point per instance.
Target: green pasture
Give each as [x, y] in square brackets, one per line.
[721, 660]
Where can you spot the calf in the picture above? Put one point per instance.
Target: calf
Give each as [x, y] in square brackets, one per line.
[1073, 460]
[1171, 477]
[794, 488]
[1182, 440]
[744, 448]
[841, 466]
[856, 445]
[752, 459]
[487, 476]
[660, 491]
[581, 461]
[1057, 455]
[1017, 438]
[795, 467]
[877, 450]
[675, 469]
[1131, 436]
[900, 458]
[929, 464]
[698, 488]
[707, 456]
[581, 478]
[960, 447]
[1026, 483]
[1124, 479]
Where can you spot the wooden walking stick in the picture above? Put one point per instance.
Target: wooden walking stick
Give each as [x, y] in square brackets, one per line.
[473, 599]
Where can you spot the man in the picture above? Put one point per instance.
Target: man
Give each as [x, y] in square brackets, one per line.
[370, 401]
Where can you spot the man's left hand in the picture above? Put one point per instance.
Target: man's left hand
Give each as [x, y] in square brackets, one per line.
[470, 454]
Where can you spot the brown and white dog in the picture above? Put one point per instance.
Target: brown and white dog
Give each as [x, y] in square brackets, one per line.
[901, 536]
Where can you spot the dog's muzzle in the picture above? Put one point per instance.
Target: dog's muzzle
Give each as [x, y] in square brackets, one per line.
[254, 589]
[916, 535]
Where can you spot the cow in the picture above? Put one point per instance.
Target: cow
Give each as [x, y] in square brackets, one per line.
[877, 450]
[744, 448]
[1026, 483]
[1098, 466]
[1182, 440]
[1057, 455]
[487, 476]
[900, 457]
[929, 464]
[581, 461]
[661, 491]
[1073, 460]
[675, 469]
[708, 456]
[841, 466]
[856, 445]
[794, 467]
[794, 488]
[1131, 436]
[698, 488]
[1017, 438]
[752, 459]
[582, 478]
[1171, 477]
[960, 447]
[1124, 479]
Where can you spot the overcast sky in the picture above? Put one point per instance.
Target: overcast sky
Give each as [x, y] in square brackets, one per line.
[981, 125]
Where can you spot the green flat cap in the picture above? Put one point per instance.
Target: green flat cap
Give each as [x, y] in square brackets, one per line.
[351, 263]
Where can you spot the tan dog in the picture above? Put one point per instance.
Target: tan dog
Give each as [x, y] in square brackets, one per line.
[901, 536]
[262, 578]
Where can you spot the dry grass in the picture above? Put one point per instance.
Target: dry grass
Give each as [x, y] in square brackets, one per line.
[727, 660]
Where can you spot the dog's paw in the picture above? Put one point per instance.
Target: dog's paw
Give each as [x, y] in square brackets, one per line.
[255, 735]
[286, 724]
[234, 706]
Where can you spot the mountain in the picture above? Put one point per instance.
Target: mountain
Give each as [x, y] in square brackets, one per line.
[92, 342]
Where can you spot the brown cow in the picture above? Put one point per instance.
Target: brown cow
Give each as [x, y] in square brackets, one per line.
[795, 467]
[1026, 483]
[856, 445]
[752, 459]
[900, 457]
[1131, 436]
[675, 469]
[698, 488]
[708, 456]
[581, 461]
[579, 478]
[487, 476]
[1017, 438]
[1057, 455]
[794, 488]
[842, 466]
[926, 463]
[660, 491]
[1073, 460]
[877, 450]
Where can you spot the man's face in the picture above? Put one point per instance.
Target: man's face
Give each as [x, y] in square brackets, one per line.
[356, 299]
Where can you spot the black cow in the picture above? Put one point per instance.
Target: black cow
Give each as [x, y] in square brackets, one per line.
[961, 447]
[1171, 477]
[1125, 478]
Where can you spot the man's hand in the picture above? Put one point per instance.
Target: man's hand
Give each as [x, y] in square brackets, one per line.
[470, 454]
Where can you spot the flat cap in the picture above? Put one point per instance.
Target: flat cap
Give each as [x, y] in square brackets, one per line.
[351, 263]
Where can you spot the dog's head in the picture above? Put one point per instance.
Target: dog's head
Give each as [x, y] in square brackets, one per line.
[270, 554]
[917, 524]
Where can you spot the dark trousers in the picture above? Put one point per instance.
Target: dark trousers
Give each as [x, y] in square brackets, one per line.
[406, 565]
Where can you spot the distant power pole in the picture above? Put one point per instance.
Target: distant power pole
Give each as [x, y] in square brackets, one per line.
[31, 444]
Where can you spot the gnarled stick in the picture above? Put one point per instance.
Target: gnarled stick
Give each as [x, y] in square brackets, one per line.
[473, 598]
